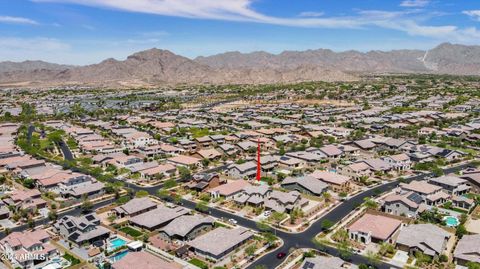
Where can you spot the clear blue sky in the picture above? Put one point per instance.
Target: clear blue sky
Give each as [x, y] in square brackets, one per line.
[88, 31]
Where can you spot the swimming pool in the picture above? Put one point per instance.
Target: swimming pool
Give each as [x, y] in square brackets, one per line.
[116, 243]
[118, 256]
[57, 263]
[451, 221]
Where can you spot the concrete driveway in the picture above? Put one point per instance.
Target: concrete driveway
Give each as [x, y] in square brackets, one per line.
[7, 223]
[400, 258]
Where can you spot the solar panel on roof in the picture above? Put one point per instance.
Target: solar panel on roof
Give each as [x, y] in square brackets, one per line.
[415, 197]
[74, 236]
[308, 265]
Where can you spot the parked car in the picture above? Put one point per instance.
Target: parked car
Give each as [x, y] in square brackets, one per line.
[281, 255]
[232, 221]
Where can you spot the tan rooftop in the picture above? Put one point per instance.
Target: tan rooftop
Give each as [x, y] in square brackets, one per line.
[377, 226]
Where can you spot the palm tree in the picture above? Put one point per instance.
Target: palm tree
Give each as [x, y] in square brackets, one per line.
[327, 196]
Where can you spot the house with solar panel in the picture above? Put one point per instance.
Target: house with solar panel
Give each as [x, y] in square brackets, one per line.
[82, 230]
[408, 204]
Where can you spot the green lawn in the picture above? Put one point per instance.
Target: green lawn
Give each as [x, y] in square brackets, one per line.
[44, 144]
[71, 259]
[218, 224]
[130, 231]
[198, 263]
[72, 144]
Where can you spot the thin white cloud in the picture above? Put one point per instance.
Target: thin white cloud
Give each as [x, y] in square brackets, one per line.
[33, 44]
[474, 14]
[311, 14]
[17, 20]
[414, 3]
[409, 21]
[231, 10]
[35, 48]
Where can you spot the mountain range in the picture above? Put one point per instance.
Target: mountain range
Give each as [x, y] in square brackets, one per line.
[156, 67]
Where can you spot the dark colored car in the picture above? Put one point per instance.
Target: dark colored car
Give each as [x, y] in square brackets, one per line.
[281, 255]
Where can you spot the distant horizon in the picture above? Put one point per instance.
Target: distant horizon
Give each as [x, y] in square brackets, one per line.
[80, 32]
[225, 52]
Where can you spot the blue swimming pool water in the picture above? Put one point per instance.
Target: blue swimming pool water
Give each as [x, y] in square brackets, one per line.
[451, 221]
[119, 256]
[117, 242]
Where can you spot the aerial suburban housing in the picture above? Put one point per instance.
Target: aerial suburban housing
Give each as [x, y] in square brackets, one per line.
[202, 134]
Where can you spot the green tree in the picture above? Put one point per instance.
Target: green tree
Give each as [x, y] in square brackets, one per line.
[345, 250]
[250, 250]
[327, 197]
[31, 223]
[141, 194]
[201, 206]
[29, 183]
[52, 215]
[473, 265]
[269, 237]
[86, 206]
[205, 162]
[170, 183]
[28, 113]
[263, 227]
[386, 248]
[281, 176]
[205, 197]
[185, 173]
[443, 258]
[55, 136]
[277, 217]
[163, 193]
[437, 171]
[270, 181]
[461, 231]
[327, 224]
[373, 258]
[370, 203]
[7, 116]
[175, 198]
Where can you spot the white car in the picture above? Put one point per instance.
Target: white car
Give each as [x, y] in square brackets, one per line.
[232, 221]
[267, 213]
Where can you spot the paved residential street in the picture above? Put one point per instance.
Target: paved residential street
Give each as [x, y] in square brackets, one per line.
[73, 212]
[67, 154]
[304, 239]
[295, 240]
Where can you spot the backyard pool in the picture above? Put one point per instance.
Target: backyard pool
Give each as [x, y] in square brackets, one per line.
[118, 256]
[451, 221]
[57, 263]
[117, 243]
